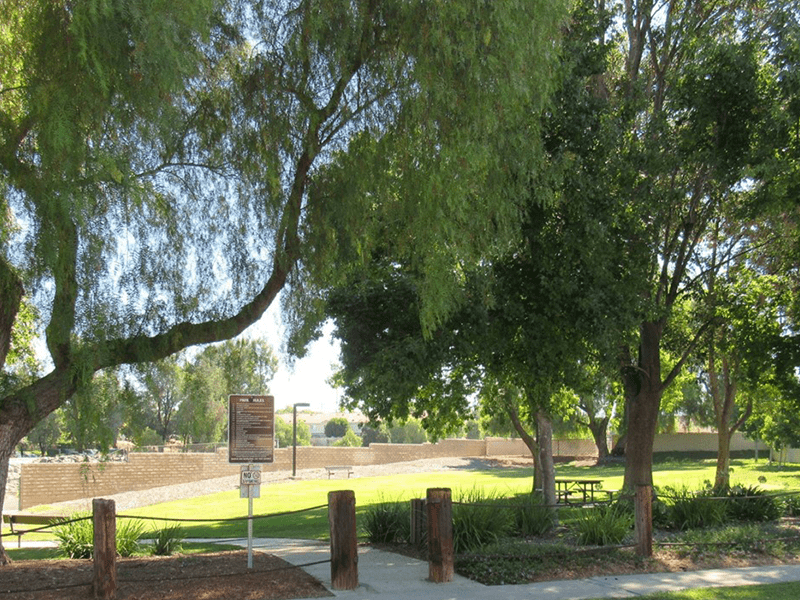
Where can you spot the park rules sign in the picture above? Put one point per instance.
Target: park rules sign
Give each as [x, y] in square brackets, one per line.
[251, 429]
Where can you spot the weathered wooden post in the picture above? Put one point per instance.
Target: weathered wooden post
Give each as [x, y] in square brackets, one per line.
[417, 521]
[344, 552]
[643, 515]
[440, 535]
[104, 516]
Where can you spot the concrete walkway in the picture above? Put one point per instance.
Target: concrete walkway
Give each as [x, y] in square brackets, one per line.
[392, 576]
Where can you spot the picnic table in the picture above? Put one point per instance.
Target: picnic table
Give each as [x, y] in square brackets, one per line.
[583, 488]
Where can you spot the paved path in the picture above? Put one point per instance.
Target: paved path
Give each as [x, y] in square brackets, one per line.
[389, 576]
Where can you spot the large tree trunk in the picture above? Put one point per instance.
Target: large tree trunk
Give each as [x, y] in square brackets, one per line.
[544, 428]
[4, 456]
[599, 429]
[643, 408]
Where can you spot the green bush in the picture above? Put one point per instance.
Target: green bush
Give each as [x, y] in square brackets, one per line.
[790, 505]
[751, 503]
[729, 541]
[387, 522]
[167, 540]
[129, 532]
[691, 510]
[479, 520]
[603, 525]
[76, 537]
[531, 517]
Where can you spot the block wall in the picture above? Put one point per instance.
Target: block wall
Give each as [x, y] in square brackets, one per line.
[46, 483]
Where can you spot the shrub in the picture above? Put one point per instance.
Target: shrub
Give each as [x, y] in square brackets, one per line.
[129, 532]
[76, 537]
[751, 503]
[531, 517]
[730, 541]
[479, 520]
[167, 540]
[387, 522]
[603, 525]
[690, 510]
[790, 505]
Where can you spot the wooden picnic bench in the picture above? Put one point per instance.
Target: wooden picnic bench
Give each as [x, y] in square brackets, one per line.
[586, 489]
[21, 523]
[335, 469]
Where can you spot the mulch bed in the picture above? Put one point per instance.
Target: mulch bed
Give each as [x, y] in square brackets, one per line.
[214, 576]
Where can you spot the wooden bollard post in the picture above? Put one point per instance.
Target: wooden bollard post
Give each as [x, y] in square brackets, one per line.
[417, 521]
[344, 553]
[440, 535]
[643, 515]
[105, 548]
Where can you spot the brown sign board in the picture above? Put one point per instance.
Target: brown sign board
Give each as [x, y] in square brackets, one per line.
[251, 428]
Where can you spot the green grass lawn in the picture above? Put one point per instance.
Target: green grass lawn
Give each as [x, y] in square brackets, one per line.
[774, 591]
[694, 474]
[313, 524]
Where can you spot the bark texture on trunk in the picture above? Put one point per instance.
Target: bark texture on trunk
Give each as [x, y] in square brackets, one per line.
[643, 409]
[723, 393]
[599, 429]
[544, 436]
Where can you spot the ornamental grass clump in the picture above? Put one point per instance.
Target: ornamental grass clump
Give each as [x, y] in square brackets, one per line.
[753, 504]
[479, 520]
[76, 537]
[387, 522]
[167, 540]
[531, 517]
[692, 510]
[603, 525]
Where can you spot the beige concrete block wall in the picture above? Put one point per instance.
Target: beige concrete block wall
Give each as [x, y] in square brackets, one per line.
[701, 442]
[47, 483]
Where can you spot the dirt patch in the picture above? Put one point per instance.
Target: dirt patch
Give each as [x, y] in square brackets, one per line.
[215, 576]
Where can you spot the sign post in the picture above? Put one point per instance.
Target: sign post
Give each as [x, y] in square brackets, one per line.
[251, 433]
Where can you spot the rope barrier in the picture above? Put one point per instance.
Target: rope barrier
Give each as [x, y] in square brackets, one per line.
[228, 520]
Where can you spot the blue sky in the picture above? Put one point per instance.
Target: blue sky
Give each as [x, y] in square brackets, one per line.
[306, 379]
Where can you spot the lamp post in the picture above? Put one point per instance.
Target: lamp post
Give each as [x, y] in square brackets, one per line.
[294, 435]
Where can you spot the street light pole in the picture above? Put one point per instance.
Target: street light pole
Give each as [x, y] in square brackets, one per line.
[294, 435]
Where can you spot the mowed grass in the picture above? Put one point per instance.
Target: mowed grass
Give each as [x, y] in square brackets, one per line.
[289, 497]
[773, 591]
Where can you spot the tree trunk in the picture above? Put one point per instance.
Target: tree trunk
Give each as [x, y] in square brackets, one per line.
[599, 429]
[5, 454]
[544, 437]
[723, 394]
[530, 442]
[643, 408]
[722, 479]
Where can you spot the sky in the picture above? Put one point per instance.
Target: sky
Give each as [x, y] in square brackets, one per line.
[306, 379]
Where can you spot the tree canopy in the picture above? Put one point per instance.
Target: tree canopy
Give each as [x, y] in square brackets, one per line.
[167, 168]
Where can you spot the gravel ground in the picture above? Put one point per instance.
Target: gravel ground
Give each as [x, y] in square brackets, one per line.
[128, 500]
